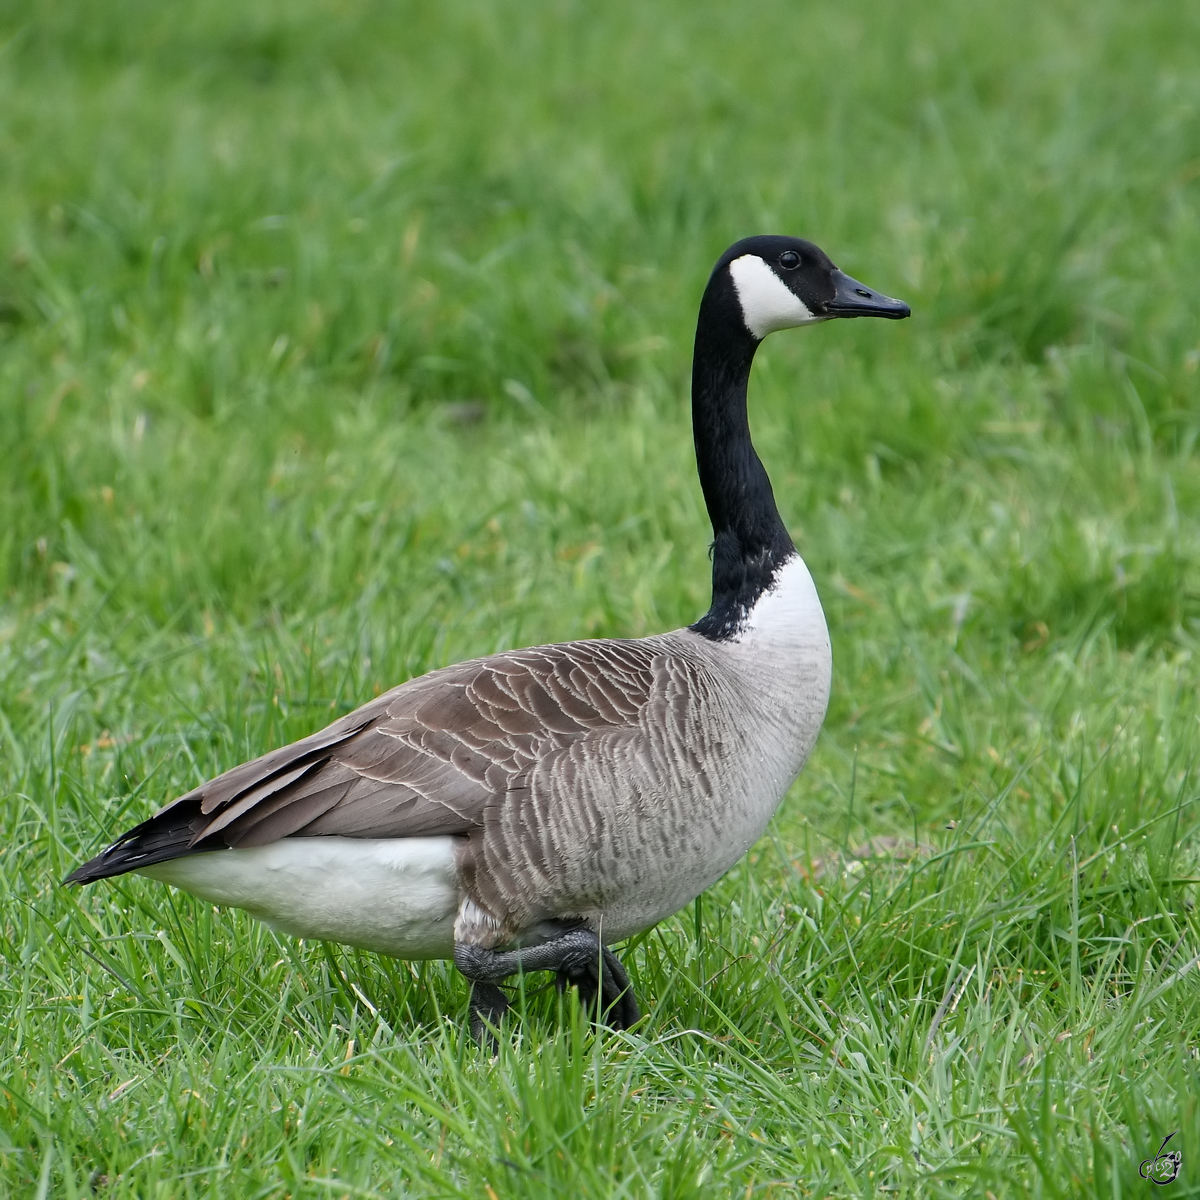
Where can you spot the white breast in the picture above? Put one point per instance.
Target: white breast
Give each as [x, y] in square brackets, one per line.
[784, 657]
[788, 616]
[395, 896]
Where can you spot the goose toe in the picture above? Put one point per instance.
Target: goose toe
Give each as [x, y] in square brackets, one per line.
[600, 975]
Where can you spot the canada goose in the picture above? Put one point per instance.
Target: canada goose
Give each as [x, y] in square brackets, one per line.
[520, 812]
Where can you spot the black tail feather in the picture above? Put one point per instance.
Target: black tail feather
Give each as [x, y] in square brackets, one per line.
[166, 836]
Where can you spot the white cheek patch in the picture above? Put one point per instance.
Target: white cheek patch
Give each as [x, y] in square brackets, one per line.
[767, 303]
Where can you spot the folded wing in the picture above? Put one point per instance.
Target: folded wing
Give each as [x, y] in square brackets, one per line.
[425, 759]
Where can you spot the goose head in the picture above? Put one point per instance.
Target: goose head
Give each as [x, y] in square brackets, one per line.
[783, 282]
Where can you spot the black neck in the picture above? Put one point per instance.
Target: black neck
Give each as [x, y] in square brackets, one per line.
[750, 541]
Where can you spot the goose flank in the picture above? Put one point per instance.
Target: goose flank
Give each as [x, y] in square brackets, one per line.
[523, 811]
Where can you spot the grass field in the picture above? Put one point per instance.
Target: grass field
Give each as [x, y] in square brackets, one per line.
[340, 340]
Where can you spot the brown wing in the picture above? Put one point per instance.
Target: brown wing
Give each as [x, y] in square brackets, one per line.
[421, 760]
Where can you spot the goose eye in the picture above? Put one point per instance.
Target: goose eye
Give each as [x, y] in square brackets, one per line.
[789, 260]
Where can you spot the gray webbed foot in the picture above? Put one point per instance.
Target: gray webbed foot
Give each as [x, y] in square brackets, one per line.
[577, 958]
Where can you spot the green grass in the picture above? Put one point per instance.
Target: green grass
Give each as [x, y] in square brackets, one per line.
[342, 340]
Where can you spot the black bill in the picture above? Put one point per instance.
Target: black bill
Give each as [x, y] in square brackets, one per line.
[854, 299]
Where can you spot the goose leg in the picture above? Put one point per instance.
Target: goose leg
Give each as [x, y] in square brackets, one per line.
[577, 958]
[487, 1005]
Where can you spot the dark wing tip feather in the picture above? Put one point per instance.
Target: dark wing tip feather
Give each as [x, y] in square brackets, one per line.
[153, 841]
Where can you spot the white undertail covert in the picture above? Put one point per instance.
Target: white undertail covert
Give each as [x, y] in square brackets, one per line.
[396, 896]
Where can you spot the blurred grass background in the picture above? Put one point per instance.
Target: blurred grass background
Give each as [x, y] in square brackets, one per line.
[341, 340]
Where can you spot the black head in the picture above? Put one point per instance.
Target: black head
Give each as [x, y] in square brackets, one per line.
[782, 282]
